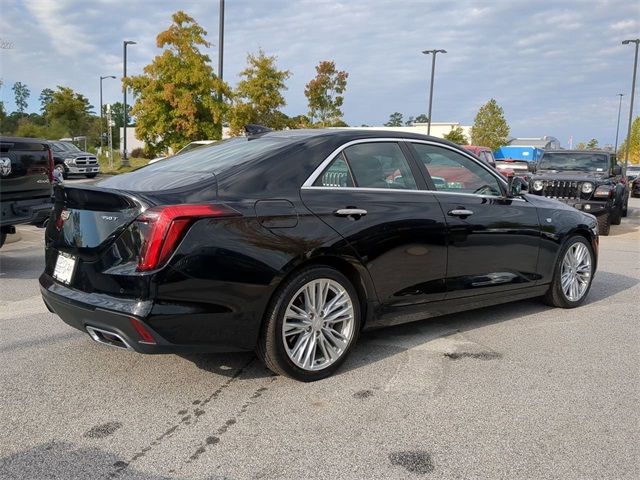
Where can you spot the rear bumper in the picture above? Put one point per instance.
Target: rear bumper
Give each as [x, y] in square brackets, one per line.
[19, 212]
[119, 316]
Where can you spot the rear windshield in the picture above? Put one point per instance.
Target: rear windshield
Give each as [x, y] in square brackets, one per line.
[583, 162]
[221, 155]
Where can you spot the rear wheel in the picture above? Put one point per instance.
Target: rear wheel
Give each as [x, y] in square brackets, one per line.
[604, 224]
[573, 274]
[625, 208]
[311, 325]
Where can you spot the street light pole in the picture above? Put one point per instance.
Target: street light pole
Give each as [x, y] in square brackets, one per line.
[125, 160]
[220, 55]
[615, 149]
[433, 71]
[633, 91]
[101, 115]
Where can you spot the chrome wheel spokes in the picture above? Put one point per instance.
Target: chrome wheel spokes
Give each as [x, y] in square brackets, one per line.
[318, 324]
[575, 274]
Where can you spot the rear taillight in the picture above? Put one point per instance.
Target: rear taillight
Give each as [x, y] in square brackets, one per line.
[163, 227]
[51, 165]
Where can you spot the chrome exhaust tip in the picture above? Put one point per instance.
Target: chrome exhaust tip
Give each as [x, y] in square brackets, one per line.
[107, 337]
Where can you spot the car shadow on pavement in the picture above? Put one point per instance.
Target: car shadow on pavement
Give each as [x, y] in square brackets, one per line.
[61, 460]
[376, 345]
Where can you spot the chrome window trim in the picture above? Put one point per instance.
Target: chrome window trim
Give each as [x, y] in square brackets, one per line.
[309, 183]
[401, 190]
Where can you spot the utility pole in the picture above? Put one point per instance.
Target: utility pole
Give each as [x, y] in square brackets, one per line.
[433, 71]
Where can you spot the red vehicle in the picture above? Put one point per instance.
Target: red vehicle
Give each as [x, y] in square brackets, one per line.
[483, 153]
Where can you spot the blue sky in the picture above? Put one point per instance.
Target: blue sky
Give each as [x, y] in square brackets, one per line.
[555, 67]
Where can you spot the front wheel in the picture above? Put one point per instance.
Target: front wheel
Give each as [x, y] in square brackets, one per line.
[62, 170]
[604, 224]
[616, 215]
[573, 274]
[311, 325]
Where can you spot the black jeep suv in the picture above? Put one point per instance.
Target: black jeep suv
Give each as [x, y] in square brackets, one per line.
[589, 180]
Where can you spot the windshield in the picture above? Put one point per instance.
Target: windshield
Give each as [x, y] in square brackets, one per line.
[189, 147]
[583, 162]
[64, 147]
[220, 155]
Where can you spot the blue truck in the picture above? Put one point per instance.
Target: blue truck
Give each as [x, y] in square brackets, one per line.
[517, 152]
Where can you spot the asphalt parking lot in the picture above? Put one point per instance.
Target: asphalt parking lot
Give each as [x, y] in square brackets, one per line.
[519, 391]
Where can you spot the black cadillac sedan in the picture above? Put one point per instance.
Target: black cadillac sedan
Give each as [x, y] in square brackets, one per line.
[291, 243]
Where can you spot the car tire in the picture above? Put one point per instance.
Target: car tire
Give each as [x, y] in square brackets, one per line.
[604, 224]
[63, 170]
[567, 275]
[301, 342]
[625, 208]
[616, 215]
[3, 238]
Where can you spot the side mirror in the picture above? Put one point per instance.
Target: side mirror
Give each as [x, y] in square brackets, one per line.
[617, 170]
[515, 187]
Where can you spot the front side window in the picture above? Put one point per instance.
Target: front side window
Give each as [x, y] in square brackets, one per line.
[453, 172]
[369, 165]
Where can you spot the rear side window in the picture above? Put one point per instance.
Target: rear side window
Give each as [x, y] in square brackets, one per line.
[369, 165]
[220, 155]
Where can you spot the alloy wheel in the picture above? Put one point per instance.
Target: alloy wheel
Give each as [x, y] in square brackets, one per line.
[576, 271]
[318, 324]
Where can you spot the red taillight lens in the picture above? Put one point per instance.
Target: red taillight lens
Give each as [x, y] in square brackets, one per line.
[165, 227]
[142, 331]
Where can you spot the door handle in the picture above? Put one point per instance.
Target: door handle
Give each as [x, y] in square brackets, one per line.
[350, 212]
[460, 212]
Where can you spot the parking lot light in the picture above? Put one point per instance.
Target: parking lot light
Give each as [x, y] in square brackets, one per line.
[633, 91]
[433, 70]
[101, 115]
[125, 160]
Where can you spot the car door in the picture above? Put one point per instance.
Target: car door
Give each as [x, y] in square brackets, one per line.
[375, 197]
[493, 241]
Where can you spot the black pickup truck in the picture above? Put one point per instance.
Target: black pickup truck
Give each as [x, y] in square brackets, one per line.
[589, 180]
[26, 176]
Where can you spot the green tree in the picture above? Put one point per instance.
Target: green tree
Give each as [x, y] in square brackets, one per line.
[325, 93]
[258, 96]
[634, 151]
[592, 144]
[69, 110]
[395, 120]
[178, 95]
[490, 129]
[581, 146]
[422, 118]
[456, 135]
[45, 98]
[21, 93]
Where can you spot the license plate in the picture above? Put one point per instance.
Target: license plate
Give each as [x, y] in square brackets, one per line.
[65, 266]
